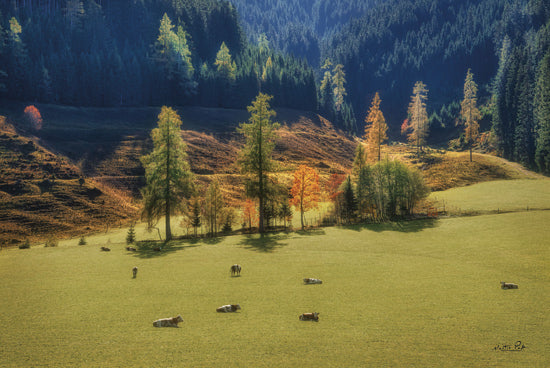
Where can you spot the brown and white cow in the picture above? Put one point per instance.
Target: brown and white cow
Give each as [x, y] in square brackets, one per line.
[236, 270]
[309, 281]
[309, 317]
[508, 285]
[130, 249]
[168, 322]
[228, 308]
[134, 271]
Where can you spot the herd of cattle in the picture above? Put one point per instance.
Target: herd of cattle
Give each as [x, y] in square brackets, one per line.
[235, 270]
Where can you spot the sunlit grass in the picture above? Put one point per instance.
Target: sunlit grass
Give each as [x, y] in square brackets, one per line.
[412, 294]
[496, 196]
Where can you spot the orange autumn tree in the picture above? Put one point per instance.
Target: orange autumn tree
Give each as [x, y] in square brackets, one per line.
[33, 117]
[250, 216]
[305, 190]
[376, 128]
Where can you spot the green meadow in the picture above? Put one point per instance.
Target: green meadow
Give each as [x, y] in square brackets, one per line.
[421, 293]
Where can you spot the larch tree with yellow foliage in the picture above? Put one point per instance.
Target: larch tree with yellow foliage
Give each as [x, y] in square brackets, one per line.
[167, 172]
[418, 116]
[376, 128]
[305, 190]
[469, 112]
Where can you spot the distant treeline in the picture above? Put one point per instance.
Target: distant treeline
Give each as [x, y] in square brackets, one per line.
[114, 53]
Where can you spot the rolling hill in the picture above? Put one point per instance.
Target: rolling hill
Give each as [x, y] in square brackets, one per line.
[41, 194]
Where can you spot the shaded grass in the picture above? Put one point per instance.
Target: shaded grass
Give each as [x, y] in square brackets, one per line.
[427, 297]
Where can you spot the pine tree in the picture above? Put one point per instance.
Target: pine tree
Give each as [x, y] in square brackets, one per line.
[418, 120]
[376, 128]
[167, 172]
[470, 113]
[255, 157]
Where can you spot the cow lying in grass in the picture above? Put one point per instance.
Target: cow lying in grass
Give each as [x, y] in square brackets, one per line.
[235, 270]
[105, 249]
[130, 249]
[228, 308]
[309, 281]
[309, 317]
[168, 322]
[508, 285]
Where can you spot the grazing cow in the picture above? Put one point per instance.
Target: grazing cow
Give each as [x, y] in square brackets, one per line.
[228, 308]
[168, 322]
[309, 317]
[508, 285]
[309, 281]
[130, 249]
[235, 270]
[105, 249]
[134, 271]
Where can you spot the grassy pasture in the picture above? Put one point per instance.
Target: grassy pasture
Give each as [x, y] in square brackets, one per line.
[496, 196]
[412, 294]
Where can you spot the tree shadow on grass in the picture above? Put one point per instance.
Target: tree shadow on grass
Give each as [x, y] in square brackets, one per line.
[268, 243]
[157, 248]
[404, 226]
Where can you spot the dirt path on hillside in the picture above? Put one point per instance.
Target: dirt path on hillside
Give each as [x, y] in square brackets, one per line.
[514, 166]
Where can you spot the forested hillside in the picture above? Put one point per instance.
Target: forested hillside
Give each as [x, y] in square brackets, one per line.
[221, 54]
[127, 53]
[299, 26]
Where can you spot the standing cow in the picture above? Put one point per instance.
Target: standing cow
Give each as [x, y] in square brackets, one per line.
[235, 270]
[134, 272]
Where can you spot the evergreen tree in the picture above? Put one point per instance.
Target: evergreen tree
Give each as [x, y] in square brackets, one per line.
[131, 236]
[326, 96]
[470, 113]
[542, 115]
[167, 172]
[255, 157]
[376, 128]
[349, 202]
[418, 116]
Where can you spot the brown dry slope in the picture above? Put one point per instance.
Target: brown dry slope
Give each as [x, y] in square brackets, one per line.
[41, 194]
[105, 145]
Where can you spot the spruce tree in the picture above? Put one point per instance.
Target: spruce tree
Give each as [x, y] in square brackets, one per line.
[131, 235]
